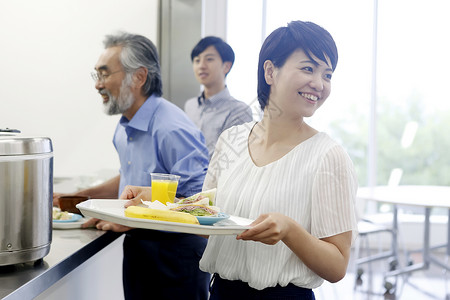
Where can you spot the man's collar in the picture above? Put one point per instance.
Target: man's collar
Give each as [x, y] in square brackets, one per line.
[225, 93]
[141, 118]
[201, 99]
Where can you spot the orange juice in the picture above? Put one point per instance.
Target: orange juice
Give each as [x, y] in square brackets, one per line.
[164, 190]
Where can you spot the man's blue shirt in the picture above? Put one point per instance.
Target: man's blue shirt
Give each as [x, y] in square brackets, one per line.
[160, 138]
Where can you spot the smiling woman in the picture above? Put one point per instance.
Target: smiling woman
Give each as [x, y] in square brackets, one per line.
[283, 160]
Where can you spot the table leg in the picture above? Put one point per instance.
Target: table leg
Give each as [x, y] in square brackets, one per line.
[425, 251]
[395, 232]
[448, 233]
[435, 260]
[426, 238]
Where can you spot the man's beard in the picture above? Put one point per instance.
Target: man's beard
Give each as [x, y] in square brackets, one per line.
[122, 103]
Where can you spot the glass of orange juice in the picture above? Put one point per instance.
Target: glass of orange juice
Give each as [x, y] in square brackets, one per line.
[164, 187]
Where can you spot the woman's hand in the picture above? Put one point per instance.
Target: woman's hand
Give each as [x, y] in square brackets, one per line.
[105, 225]
[327, 257]
[56, 197]
[135, 194]
[268, 229]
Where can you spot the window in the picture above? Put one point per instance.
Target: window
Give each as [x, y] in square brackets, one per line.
[413, 107]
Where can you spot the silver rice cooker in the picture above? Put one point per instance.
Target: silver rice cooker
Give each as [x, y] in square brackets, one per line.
[26, 197]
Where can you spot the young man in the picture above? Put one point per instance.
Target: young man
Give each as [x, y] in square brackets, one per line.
[215, 109]
[153, 136]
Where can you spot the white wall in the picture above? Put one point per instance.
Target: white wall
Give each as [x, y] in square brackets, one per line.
[48, 49]
[214, 18]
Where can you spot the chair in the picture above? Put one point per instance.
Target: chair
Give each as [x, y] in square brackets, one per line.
[370, 228]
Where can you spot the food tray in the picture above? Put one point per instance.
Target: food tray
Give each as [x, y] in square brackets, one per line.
[113, 210]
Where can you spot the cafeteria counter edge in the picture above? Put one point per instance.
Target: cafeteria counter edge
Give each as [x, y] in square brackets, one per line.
[69, 249]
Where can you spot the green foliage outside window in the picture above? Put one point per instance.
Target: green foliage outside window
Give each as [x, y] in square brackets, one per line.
[425, 162]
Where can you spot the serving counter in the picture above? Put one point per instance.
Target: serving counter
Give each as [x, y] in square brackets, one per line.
[90, 258]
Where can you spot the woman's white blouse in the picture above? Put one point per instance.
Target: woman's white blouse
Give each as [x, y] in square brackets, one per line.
[314, 184]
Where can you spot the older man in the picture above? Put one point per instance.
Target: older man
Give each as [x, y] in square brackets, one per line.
[153, 135]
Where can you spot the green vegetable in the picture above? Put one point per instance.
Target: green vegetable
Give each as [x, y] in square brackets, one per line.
[197, 212]
[210, 194]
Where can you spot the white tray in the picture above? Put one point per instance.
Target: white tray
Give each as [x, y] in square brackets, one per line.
[113, 210]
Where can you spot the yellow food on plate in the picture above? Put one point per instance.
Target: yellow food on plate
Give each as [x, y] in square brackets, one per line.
[159, 215]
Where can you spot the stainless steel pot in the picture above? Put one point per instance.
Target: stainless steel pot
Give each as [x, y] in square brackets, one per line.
[26, 193]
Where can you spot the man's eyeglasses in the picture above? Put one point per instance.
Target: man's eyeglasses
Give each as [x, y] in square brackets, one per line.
[102, 77]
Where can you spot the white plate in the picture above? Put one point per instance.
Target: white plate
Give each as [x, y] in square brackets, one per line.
[69, 225]
[113, 210]
[73, 218]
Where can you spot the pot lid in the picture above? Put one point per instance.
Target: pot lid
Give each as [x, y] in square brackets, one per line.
[12, 143]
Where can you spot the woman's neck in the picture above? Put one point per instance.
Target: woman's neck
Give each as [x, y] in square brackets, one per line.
[279, 129]
[273, 138]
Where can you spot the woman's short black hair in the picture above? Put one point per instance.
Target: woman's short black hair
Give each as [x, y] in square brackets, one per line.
[282, 42]
[225, 51]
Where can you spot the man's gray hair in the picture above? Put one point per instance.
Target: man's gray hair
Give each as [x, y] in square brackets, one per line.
[138, 51]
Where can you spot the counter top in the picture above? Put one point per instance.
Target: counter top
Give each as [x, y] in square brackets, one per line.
[68, 250]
